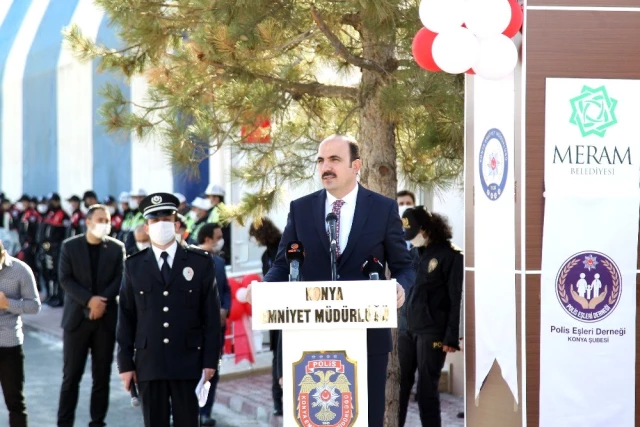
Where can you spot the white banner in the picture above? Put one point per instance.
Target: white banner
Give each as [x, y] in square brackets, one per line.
[589, 253]
[494, 230]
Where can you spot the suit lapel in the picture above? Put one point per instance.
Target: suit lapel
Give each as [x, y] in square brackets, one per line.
[104, 261]
[84, 257]
[150, 259]
[179, 262]
[319, 202]
[363, 207]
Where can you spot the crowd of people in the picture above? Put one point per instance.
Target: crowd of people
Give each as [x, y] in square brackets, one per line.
[33, 228]
[145, 274]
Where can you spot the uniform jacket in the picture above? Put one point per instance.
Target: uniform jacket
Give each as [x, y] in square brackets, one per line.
[75, 278]
[433, 305]
[376, 230]
[168, 332]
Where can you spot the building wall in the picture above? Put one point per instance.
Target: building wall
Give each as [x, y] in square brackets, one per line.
[50, 135]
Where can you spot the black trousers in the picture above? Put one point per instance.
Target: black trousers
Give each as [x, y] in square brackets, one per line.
[98, 337]
[276, 388]
[426, 355]
[12, 383]
[206, 409]
[160, 396]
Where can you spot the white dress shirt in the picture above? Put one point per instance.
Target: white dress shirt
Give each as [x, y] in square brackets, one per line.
[171, 250]
[347, 212]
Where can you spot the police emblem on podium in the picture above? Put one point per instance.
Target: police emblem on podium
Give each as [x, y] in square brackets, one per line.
[325, 389]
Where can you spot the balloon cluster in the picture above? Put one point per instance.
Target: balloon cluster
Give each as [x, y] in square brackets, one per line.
[239, 304]
[468, 36]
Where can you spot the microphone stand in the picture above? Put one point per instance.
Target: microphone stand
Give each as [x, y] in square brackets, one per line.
[334, 260]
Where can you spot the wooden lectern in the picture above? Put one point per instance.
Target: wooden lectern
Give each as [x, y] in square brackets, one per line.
[324, 344]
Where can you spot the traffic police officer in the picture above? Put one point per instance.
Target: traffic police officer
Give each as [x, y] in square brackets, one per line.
[433, 312]
[168, 330]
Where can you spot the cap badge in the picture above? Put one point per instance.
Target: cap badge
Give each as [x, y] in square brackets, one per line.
[405, 223]
[156, 199]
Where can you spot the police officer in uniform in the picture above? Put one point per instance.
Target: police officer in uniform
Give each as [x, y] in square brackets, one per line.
[168, 331]
[433, 312]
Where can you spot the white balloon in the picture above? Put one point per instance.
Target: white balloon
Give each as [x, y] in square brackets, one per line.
[441, 15]
[455, 50]
[487, 17]
[498, 57]
[241, 294]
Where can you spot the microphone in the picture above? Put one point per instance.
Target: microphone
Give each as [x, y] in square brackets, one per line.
[135, 400]
[331, 220]
[372, 268]
[295, 258]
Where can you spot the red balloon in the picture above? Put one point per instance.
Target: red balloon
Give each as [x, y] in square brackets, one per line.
[237, 310]
[246, 280]
[517, 18]
[470, 71]
[421, 49]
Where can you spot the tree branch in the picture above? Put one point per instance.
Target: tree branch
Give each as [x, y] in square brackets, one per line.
[341, 49]
[313, 89]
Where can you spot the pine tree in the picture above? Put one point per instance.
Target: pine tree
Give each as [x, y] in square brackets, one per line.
[216, 67]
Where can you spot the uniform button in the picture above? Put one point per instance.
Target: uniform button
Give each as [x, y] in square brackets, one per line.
[165, 309]
[166, 325]
[198, 348]
[190, 290]
[166, 340]
[165, 293]
[141, 292]
[338, 276]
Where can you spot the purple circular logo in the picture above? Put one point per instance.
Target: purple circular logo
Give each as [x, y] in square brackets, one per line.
[588, 286]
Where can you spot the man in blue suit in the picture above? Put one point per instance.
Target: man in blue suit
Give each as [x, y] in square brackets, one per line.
[368, 224]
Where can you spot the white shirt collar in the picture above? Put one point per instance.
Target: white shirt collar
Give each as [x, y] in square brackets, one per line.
[6, 262]
[350, 198]
[171, 250]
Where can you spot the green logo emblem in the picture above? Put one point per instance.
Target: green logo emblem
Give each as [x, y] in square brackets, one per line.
[593, 111]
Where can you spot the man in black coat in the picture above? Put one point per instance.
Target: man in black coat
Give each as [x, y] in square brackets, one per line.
[90, 270]
[168, 330]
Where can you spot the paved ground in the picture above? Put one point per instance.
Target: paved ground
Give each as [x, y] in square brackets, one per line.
[240, 401]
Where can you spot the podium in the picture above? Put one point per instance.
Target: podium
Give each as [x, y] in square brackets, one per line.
[324, 344]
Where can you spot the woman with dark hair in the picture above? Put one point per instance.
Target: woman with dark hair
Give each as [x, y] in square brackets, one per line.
[433, 312]
[267, 234]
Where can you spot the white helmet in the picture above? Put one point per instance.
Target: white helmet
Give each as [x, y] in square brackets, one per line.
[214, 190]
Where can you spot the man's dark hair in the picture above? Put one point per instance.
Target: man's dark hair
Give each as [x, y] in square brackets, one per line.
[404, 193]
[354, 150]
[266, 234]
[207, 230]
[438, 229]
[96, 207]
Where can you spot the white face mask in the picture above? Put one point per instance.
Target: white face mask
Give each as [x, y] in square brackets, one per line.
[101, 230]
[20, 206]
[192, 215]
[142, 245]
[401, 209]
[162, 232]
[43, 209]
[218, 246]
[133, 204]
[418, 241]
[112, 210]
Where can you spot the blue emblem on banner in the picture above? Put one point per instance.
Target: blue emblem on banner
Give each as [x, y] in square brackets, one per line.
[493, 164]
[325, 389]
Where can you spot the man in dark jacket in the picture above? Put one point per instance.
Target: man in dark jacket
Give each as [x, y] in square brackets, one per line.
[168, 330]
[91, 268]
[208, 236]
[432, 312]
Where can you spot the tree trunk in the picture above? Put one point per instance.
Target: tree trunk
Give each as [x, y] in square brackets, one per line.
[379, 171]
